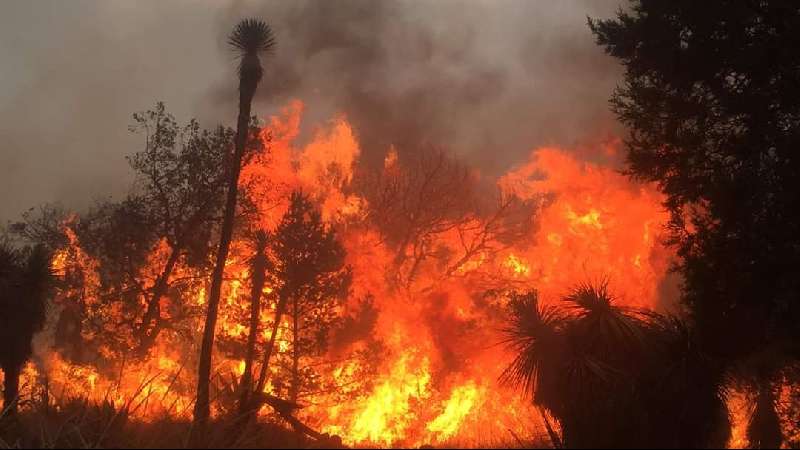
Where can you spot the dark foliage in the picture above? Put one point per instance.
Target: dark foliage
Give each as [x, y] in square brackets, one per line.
[712, 100]
[252, 36]
[25, 279]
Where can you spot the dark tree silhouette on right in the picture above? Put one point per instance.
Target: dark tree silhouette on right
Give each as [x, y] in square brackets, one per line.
[712, 100]
[25, 278]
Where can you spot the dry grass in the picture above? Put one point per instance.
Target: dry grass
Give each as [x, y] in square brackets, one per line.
[80, 424]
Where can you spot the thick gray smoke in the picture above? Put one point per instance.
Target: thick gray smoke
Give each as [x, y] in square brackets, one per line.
[486, 79]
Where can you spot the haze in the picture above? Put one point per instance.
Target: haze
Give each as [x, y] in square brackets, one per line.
[487, 80]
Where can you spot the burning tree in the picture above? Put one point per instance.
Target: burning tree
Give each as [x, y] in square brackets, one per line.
[258, 268]
[415, 364]
[164, 226]
[182, 174]
[310, 279]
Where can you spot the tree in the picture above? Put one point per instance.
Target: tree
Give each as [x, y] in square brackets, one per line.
[310, 278]
[710, 98]
[181, 177]
[613, 376]
[25, 279]
[258, 267]
[416, 198]
[165, 223]
[425, 204]
[250, 37]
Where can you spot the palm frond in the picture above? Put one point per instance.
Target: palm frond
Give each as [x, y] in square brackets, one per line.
[602, 325]
[591, 297]
[531, 335]
[252, 36]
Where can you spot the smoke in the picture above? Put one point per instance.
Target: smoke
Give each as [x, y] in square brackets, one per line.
[486, 80]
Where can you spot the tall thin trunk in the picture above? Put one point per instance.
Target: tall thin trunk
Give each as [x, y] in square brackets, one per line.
[11, 389]
[295, 391]
[764, 429]
[202, 405]
[259, 263]
[279, 312]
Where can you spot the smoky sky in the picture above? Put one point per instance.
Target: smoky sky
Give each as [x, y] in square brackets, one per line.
[487, 80]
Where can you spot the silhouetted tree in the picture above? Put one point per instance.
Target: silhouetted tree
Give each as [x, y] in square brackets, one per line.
[175, 200]
[250, 37]
[25, 279]
[181, 177]
[413, 199]
[310, 277]
[710, 97]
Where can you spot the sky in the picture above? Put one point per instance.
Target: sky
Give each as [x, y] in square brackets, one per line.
[488, 80]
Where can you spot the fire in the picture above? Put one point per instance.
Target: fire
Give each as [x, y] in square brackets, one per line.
[599, 225]
[387, 412]
[517, 265]
[456, 408]
[435, 379]
[740, 407]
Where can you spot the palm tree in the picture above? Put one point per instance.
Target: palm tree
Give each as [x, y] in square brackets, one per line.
[250, 38]
[605, 347]
[535, 336]
[24, 283]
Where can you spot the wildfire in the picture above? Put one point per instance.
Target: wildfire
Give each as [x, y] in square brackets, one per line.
[387, 412]
[436, 379]
[455, 409]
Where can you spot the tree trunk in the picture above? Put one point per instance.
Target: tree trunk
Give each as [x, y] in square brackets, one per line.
[295, 391]
[148, 335]
[283, 298]
[258, 266]
[202, 405]
[764, 429]
[11, 389]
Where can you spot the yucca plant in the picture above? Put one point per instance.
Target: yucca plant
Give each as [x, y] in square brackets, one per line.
[250, 39]
[615, 376]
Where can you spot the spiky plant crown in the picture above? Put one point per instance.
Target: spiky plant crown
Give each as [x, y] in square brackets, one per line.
[252, 36]
[249, 38]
